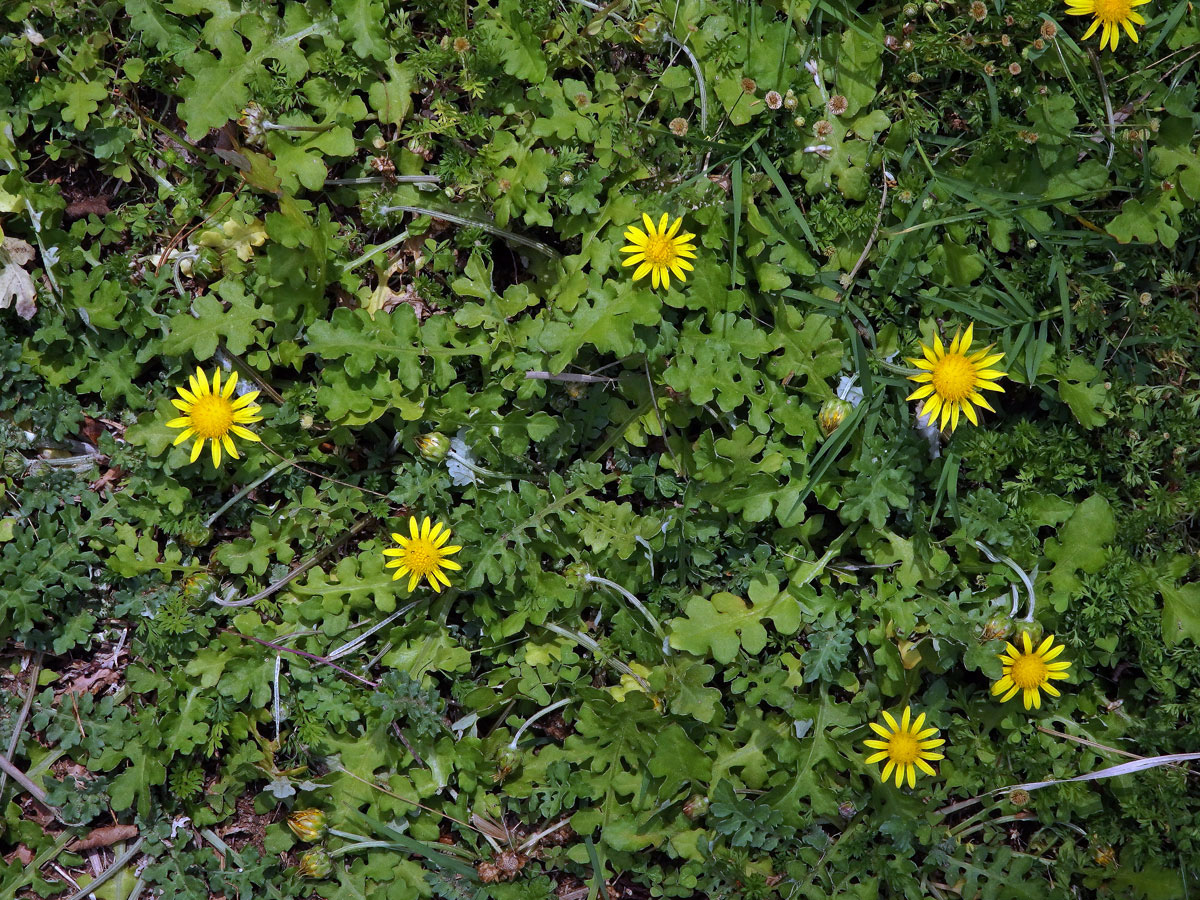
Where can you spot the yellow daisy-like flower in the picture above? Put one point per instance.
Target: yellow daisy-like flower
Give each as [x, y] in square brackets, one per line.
[1031, 671]
[213, 414]
[1110, 16]
[659, 251]
[951, 381]
[423, 554]
[906, 747]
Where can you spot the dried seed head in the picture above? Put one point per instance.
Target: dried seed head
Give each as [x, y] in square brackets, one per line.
[461, 45]
[749, 86]
[1029, 137]
[679, 127]
[837, 104]
[823, 128]
[1005, 40]
[1019, 798]
[978, 10]
[891, 42]
[1014, 68]
[1049, 30]
[989, 69]
[774, 99]
[1039, 44]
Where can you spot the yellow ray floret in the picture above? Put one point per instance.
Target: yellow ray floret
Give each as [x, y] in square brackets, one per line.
[1030, 671]
[659, 251]
[951, 379]
[1110, 16]
[211, 413]
[906, 746]
[423, 554]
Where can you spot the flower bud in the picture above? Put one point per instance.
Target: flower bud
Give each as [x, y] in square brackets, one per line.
[847, 810]
[996, 627]
[315, 863]
[833, 413]
[696, 806]
[1033, 629]
[307, 824]
[196, 535]
[433, 446]
[577, 570]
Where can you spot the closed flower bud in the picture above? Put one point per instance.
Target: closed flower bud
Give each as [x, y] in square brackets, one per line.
[833, 413]
[696, 806]
[307, 824]
[433, 446]
[996, 627]
[847, 810]
[196, 535]
[315, 864]
[577, 570]
[1033, 629]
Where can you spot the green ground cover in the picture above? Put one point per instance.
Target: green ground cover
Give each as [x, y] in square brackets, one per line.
[283, 285]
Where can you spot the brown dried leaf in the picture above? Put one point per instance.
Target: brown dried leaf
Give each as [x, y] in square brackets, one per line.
[104, 836]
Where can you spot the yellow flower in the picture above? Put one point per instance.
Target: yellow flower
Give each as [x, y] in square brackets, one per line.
[210, 414]
[952, 380]
[423, 555]
[1110, 16]
[905, 747]
[1031, 671]
[659, 251]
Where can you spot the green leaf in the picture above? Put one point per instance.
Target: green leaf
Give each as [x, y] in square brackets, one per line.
[238, 323]
[1082, 388]
[722, 626]
[1080, 545]
[81, 99]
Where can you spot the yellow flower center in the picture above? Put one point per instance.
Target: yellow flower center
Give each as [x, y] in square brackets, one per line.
[953, 377]
[1112, 11]
[1028, 672]
[211, 416]
[903, 748]
[660, 250]
[422, 557]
